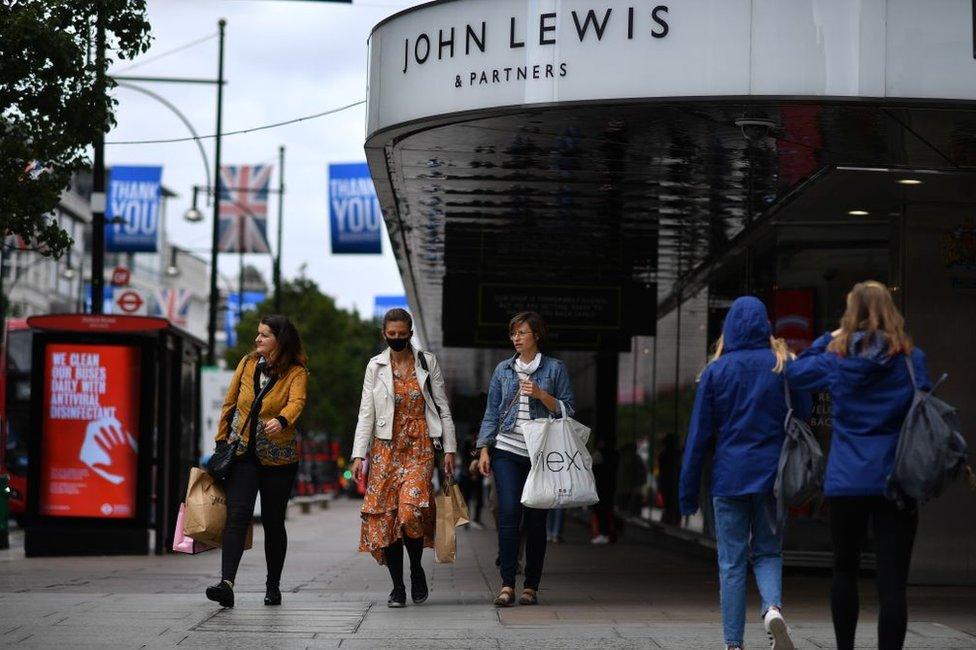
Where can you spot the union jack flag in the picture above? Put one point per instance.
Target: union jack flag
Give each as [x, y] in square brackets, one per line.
[173, 304]
[244, 208]
[18, 243]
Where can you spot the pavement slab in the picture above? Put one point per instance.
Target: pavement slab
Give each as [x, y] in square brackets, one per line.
[627, 595]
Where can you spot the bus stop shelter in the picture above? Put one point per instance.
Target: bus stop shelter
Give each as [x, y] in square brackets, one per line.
[114, 427]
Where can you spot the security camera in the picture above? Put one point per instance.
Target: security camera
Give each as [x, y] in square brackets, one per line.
[755, 129]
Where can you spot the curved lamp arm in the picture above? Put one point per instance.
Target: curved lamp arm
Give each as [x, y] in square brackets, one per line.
[165, 102]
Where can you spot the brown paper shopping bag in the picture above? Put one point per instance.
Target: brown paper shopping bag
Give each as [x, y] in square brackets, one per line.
[445, 539]
[460, 505]
[452, 511]
[206, 510]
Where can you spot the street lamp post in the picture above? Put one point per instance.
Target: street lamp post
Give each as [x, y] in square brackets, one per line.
[219, 82]
[98, 176]
[212, 324]
[281, 211]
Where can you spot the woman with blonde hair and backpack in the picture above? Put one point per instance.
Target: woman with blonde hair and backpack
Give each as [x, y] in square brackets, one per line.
[863, 366]
[740, 407]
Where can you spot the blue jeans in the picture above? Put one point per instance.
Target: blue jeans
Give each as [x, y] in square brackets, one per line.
[745, 534]
[510, 472]
[554, 522]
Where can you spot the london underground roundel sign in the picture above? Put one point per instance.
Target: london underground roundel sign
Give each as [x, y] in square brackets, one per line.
[129, 301]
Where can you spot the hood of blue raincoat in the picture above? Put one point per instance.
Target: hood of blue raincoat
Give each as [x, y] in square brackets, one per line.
[867, 359]
[746, 325]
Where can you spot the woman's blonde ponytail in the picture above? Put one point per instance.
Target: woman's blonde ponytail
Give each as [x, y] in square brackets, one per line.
[782, 352]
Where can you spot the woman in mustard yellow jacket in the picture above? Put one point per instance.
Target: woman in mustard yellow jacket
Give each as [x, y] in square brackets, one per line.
[266, 396]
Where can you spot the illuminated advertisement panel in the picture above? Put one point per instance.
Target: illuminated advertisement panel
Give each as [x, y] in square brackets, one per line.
[90, 435]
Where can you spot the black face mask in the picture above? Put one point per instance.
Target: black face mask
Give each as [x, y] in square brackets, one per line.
[398, 345]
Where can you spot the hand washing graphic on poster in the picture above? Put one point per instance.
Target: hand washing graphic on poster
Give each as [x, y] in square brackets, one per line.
[89, 449]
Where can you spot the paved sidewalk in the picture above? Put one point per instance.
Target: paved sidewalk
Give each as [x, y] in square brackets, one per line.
[629, 595]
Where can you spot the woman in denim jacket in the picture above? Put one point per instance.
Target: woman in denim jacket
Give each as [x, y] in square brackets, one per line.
[525, 387]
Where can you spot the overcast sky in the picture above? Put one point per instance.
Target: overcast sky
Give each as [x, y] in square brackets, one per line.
[283, 59]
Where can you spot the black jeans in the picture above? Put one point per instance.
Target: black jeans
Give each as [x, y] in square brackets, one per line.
[510, 472]
[894, 535]
[247, 478]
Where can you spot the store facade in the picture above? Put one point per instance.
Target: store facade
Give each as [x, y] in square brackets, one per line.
[628, 168]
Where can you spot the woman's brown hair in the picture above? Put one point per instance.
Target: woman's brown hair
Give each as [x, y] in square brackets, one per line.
[289, 350]
[871, 309]
[533, 320]
[398, 315]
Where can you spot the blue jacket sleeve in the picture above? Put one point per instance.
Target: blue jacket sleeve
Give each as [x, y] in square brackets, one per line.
[921, 370]
[811, 370]
[701, 430]
[819, 346]
[489, 424]
[564, 390]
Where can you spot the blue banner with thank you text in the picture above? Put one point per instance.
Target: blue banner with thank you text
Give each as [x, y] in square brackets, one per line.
[354, 210]
[132, 209]
[235, 307]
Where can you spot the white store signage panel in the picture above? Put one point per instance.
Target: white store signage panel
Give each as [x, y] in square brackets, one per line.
[465, 55]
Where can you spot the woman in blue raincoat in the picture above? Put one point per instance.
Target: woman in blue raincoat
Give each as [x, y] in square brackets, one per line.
[865, 366]
[740, 407]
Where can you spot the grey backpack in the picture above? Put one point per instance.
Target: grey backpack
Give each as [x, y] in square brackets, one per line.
[801, 464]
[931, 450]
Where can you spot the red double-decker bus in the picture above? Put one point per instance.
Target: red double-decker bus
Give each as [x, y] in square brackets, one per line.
[15, 390]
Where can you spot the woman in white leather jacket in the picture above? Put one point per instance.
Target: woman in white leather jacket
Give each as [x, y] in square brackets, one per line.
[404, 416]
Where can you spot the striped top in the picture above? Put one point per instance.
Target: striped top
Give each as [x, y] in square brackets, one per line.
[514, 441]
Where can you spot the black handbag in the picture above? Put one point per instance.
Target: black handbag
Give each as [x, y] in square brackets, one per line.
[218, 465]
[220, 462]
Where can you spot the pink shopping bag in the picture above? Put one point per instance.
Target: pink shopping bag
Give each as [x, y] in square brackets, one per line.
[182, 543]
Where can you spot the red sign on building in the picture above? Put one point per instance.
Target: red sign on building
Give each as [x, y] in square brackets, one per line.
[121, 277]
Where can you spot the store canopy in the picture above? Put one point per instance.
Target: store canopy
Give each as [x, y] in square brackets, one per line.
[606, 194]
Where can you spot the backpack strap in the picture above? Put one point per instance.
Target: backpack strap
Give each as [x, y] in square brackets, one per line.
[789, 398]
[911, 370]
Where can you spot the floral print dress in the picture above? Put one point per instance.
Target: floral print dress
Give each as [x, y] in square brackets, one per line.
[399, 493]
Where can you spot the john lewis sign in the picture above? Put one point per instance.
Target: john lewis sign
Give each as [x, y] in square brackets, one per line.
[464, 55]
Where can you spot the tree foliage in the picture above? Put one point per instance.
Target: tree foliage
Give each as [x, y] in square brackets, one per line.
[339, 344]
[50, 105]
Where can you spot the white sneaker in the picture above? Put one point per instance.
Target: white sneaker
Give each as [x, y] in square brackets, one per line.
[600, 539]
[779, 635]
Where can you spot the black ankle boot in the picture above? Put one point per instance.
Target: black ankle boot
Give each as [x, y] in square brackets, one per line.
[398, 597]
[418, 579]
[272, 595]
[221, 593]
[393, 555]
[418, 585]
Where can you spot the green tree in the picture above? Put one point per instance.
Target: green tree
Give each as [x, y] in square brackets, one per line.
[339, 344]
[50, 105]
